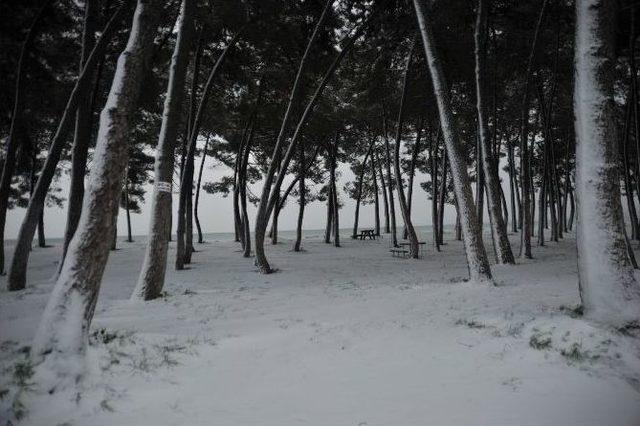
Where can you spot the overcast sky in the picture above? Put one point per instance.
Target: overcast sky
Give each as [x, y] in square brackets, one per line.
[216, 212]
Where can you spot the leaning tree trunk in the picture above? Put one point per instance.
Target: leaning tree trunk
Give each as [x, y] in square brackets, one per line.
[199, 184]
[476, 256]
[271, 199]
[262, 216]
[301, 190]
[525, 168]
[385, 201]
[334, 193]
[151, 278]
[433, 153]
[376, 197]
[444, 191]
[18, 271]
[329, 227]
[82, 134]
[412, 172]
[128, 212]
[359, 190]
[404, 208]
[387, 153]
[62, 336]
[9, 162]
[609, 291]
[186, 180]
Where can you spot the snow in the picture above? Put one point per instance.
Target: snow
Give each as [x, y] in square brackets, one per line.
[340, 336]
[610, 293]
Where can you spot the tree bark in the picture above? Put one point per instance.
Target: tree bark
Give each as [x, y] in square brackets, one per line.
[9, 161]
[404, 208]
[63, 333]
[18, 271]
[128, 211]
[609, 291]
[301, 190]
[334, 193]
[152, 274]
[376, 197]
[412, 172]
[186, 181]
[262, 216]
[525, 168]
[199, 184]
[359, 190]
[387, 229]
[479, 269]
[390, 180]
[82, 134]
[435, 222]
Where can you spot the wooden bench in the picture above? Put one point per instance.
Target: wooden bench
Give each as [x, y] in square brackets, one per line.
[399, 252]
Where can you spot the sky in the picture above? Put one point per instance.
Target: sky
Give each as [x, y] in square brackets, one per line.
[216, 212]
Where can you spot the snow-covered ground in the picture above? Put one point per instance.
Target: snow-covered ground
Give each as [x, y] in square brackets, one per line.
[339, 336]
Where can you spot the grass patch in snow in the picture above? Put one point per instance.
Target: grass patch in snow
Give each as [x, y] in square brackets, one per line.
[540, 340]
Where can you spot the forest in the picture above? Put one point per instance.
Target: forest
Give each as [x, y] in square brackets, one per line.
[475, 163]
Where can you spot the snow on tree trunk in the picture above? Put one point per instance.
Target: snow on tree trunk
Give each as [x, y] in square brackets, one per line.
[609, 292]
[476, 256]
[151, 278]
[62, 335]
[18, 271]
[500, 240]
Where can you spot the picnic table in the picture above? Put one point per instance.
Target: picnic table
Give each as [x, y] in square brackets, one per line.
[367, 233]
[399, 252]
[421, 245]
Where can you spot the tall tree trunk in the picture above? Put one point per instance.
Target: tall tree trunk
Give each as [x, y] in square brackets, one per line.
[443, 197]
[334, 192]
[376, 198]
[18, 271]
[63, 333]
[186, 181]
[478, 264]
[385, 201]
[610, 294]
[390, 181]
[128, 211]
[501, 245]
[404, 208]
[479, 184]
[359, 189]
[151, 278]
[525, 169]
[199, 184]
[329, 227]
[12, 141]
[626, 167]
[82, 134]
[42, 242]
[301, 190]
[435, 221]
[262, 216]
[412, 172]
[269, 199]
[513, 190]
